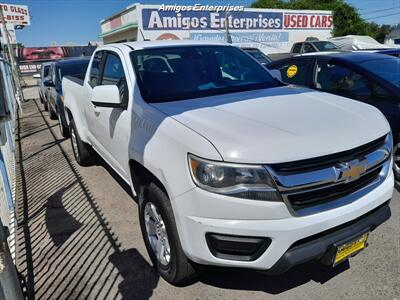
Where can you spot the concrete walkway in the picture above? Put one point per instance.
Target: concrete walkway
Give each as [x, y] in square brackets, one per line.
[79, 238]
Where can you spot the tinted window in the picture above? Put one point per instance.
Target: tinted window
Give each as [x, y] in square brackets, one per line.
[260, 56]
[166, 74]
[73, 70]
[343, 81]
[388, 68]
[46, 71]
[308, 48]
[296, 48]
[295, 72]
[95, 69]
[113, 74]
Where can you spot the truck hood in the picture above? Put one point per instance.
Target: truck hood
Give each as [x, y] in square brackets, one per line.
[279, 124]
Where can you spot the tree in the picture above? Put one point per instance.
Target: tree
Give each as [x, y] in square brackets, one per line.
[346, 18]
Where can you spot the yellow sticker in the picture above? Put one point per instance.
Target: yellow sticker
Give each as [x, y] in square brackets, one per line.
[291, 71]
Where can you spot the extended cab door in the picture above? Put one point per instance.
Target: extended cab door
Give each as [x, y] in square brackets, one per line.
[109, 127]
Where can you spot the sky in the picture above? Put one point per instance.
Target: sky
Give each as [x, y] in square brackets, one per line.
[78, 21]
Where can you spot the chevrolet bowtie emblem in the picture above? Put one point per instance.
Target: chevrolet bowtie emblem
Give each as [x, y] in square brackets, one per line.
[351, 170]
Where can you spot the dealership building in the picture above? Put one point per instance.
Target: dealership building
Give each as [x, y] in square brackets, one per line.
[271, 30]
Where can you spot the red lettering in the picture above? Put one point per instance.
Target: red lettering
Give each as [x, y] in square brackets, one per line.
[286, 21]
[324, 21]
[330, 21]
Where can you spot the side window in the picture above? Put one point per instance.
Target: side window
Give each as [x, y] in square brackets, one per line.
[113, 74]
[45, 71]
[296, 48]
[95, 69]
[294, 72]
[308, 48]
[343, 81]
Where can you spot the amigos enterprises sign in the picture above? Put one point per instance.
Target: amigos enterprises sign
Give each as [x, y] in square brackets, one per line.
[271, 30]
[154, 19]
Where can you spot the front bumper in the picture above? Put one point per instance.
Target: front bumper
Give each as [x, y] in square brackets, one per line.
[198, 213]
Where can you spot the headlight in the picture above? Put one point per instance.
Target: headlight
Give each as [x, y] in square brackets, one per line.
[236, 180]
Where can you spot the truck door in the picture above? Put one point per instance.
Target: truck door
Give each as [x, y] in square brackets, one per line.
[109, 126]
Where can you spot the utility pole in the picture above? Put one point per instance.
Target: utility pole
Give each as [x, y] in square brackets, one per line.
[14, 71]
[228, 38]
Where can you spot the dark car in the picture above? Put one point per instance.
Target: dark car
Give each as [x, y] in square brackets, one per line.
[368, 77]
[258, 55]
[55, 100]
[393, 52]
[313, 46]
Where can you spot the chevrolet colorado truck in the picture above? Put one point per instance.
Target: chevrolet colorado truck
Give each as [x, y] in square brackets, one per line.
[230, 166]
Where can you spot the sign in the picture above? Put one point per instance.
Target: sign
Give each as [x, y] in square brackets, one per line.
[16, 14]
[155, 19]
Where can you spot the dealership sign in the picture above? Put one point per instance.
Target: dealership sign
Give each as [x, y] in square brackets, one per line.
[155, 19]
[16, 14]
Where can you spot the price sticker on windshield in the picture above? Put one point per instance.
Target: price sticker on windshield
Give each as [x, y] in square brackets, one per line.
[291, 71]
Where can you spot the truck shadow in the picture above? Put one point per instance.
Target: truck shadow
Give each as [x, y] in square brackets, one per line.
[240, 279]
[66, 248]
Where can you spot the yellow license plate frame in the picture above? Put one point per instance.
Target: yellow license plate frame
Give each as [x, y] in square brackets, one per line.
[349, 249]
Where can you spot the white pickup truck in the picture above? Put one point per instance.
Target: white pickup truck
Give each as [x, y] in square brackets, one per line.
[230, 166]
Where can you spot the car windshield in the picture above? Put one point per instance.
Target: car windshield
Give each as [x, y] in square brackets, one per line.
[387, 68]
[325, 46]
[177, 73]
[257, 54]
[73, 69]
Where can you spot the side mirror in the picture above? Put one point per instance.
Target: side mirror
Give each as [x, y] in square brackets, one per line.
[48, 83]
[37, 76]
[106, 96]
[276, 74]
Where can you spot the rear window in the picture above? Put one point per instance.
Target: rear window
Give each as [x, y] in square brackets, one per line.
[296, 48]
[73, 70]
[387, 68]
[176, 73]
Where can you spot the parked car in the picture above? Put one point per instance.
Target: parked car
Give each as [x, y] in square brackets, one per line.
[393, 51]
[55, 100]
[44, 73]
[258, 55]
[313, 46]
[367, 77]
[230, 166]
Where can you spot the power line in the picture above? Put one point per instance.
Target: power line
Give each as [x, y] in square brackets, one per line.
[377, 17]
[379, 10]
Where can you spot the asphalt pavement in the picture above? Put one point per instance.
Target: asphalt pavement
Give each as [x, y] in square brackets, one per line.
[79, 237]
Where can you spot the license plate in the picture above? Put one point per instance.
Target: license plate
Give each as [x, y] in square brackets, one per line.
[349, 249]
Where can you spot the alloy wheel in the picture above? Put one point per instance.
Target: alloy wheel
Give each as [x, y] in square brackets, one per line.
[157, 234]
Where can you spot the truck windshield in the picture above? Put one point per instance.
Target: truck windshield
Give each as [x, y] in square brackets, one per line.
[177, 73]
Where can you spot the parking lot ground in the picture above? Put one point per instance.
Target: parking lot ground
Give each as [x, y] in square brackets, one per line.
[79, 238]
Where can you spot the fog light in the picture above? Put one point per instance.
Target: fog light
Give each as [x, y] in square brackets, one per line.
[237, 247]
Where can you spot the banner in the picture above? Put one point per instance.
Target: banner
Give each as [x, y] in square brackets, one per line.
[16, 14]
[155, 19]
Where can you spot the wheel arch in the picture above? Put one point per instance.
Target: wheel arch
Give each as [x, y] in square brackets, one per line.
[140, 175]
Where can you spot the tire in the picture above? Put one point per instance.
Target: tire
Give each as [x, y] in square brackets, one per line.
[83, 153]
[45, 106]
[396, 162]
[63, 128]
[52, 113]
[178, 270]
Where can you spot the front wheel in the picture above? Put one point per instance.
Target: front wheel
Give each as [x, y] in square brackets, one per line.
[63, 128]
[396, 161]
[52, 113]
[161, 238]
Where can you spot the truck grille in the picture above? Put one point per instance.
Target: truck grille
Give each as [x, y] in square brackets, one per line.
[322, 183]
